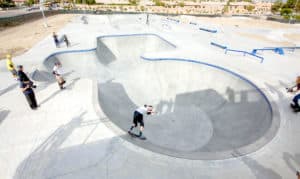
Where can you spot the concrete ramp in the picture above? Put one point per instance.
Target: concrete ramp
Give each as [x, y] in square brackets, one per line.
[204, 111]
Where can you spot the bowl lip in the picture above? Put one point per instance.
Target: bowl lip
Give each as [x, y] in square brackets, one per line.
[233, 153]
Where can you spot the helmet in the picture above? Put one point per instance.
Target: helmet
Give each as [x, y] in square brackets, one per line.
[8, 56]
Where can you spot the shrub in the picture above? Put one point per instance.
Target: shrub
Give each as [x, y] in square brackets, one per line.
[7, 3]
[250, 8]
[159, 3]
[286, 11]
[142, 8]
[90, 1]
[276, 6]
[181, 4]
[133, 2]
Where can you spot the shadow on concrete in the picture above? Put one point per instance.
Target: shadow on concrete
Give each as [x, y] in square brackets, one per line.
[59, 157]
[8, 89]
[275, 90]
[3, 114]
[69, 86]
[259, 171]
[235, 123]
[42, 76]
[292, 161]
[104, 54]
[45, 76]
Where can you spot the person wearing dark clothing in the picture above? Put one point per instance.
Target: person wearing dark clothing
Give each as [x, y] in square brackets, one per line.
[26, 86]
[56, 41]
[295, 105]
[21, 75]
[29, 94]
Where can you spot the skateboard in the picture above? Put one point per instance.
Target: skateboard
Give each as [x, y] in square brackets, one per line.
[136, 136]
[289, 90]
[295, 109]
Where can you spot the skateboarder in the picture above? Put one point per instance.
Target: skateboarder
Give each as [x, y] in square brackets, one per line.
[138, 117]
[296, 103]
[298, 174]
[10, 66]
[56, 41]
[58, 72]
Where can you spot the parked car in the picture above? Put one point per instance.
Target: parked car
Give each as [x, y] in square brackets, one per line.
[32, 8]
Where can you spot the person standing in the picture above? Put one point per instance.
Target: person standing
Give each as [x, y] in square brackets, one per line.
[296, 103]
[21, 75]
[56, 41]
[10, 65]
[26, 86]
[138, 118]
[58, 72]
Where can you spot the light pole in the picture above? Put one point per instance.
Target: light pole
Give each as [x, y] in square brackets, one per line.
[42, 10]
[294, 13]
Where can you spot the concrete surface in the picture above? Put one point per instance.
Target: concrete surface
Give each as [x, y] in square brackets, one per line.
[198, 106]
[70, 136]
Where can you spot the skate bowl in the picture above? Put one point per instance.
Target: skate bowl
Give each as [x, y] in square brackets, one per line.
[204, 111]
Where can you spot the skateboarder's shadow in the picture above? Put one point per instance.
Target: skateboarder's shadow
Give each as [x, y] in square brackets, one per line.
[3, 114]
[292, 161]
[257, 169]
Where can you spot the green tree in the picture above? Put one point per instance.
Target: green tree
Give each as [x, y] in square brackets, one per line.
[276, 6]
[133, 2]
[159, 3]
[286, 11]
[90, 1]
[297, 8]
[142, 8]
[181, 4]
[29, 2]
[290, 4]
[7, 3]
[225, 9]
[250, 8]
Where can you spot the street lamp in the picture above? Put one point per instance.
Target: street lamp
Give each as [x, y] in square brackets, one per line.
[42, 10]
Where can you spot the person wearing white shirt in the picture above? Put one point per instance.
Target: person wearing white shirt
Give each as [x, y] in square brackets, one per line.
[296, 87]
[58, 72]
[138, 117]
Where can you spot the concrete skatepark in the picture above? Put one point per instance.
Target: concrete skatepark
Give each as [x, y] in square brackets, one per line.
[219, 115]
